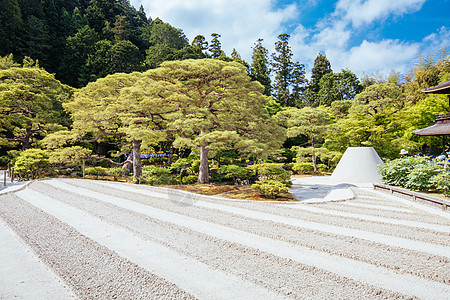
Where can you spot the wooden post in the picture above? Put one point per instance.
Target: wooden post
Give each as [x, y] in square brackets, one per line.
[83, 166]
[4, 178]
[12, 175]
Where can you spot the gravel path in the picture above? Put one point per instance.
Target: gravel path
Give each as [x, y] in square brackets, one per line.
[94, 239]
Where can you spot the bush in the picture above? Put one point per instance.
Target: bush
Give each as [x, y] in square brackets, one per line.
[270, 188]
[419, 179]
[416, 173]
[271, 171]
[191, 179]
[239, 174]
[156, 175]
[302, 168]
[96, 171]
[442, 182]
[117, 171]
[31, 164]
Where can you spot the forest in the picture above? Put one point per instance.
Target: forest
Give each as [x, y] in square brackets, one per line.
[99, 82]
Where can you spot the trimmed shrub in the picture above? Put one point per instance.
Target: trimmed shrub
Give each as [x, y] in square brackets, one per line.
[239, 174]
[395, 172]
[156, 176]
[302, 168]
[31, 164]
[191, 179]
[96, 171]
[271, 171]
[270, 188]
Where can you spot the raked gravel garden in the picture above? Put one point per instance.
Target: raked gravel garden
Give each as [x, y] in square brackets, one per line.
[86, 239]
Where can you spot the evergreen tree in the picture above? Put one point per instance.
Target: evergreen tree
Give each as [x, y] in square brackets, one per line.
[200, 42]
[288, 74]
[10, 23]
[259, 69]
[215, 47]
[321, 67]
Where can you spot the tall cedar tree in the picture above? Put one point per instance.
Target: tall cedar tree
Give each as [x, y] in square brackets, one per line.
[289, 75]
[321, 67]
[259, 70]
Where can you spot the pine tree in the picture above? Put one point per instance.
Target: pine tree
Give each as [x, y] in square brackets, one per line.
[215, 46]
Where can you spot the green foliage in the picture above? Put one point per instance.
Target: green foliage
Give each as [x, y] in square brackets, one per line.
[30, 101]
[270, 188]
[31, 163]
[69, 156]
[416, 173]
[442, 182]
[419, 178]
[272, 171]
[190, 179]
[156, 175]
[239, 174]
[289, 75]
[96, 171]
[303, 167]
[259, 70]
[117, 172]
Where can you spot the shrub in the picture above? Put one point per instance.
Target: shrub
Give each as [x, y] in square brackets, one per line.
[156, 175]
[96, 171]
[117, 171]
[396, 172]
[442, 182]
[270, 188]
[416, 173]
[271, 171]
[191, 179]
[31, 164]
[302, 168]
[237, 173]
[419, 178]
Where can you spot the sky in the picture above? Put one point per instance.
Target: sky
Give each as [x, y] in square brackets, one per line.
[365, 36]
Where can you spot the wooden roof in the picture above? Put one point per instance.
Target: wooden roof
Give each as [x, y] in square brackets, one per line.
[441, 126]
[443, 88]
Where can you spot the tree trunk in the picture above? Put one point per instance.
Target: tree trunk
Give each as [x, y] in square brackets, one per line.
[170, 157]
[26, 139]
[137, 166]
[203, 174]
[313, 155]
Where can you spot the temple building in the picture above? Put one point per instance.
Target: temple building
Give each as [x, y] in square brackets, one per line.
[441, 125]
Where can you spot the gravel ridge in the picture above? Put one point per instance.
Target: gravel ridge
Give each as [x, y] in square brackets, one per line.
[91, 270]
[394, 258]
[288, 278]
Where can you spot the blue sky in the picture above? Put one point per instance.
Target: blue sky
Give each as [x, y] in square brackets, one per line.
[365, 36]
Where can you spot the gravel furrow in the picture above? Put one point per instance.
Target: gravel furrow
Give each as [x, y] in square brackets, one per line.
[276, 247]
[296, 280]
[395, 258]
[314, 221]
[91, 270]
[208, 247]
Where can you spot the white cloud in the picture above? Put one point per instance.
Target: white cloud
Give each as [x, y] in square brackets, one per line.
[380, 56]
[240, 23]
[361, 12]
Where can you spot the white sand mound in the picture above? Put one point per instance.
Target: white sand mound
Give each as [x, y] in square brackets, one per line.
[358, 165]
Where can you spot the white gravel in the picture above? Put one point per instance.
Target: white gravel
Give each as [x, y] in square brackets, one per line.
[112, 240]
